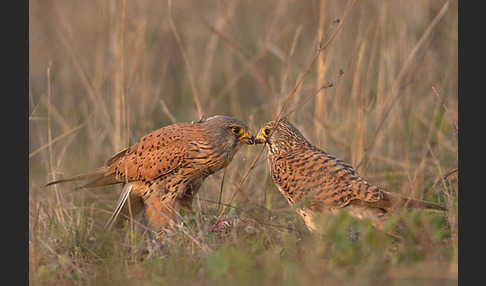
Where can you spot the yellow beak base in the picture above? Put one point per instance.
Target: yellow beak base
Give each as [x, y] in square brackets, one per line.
[260, 139]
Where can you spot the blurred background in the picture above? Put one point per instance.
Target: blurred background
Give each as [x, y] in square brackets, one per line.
[104, 73]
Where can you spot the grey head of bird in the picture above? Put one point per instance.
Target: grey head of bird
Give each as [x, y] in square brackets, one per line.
[226, 132]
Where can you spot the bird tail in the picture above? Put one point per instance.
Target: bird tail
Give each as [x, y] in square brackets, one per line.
[100, 177]
[398, 201]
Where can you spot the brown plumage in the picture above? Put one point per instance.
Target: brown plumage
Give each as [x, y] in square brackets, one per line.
[318, 181]
[168, 166]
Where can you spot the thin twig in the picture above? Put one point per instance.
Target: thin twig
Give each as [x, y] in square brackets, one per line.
[186, 61]
[167, 112]
[443, 178]
[96, 99]
[239, 187]
[401, 76]
[49, 139]
[322, 46]
[207, 74]
[221, 190]
[69, 132]
[240, 52]
[309, 97]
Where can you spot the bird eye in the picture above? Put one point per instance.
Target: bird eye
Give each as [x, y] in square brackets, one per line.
[237, 130]
[267, 131]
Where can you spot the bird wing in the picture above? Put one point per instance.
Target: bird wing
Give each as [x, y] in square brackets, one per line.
[156, 154]
[321, 179]
[329, 182]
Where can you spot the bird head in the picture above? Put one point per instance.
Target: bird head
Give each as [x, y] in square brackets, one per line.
[280, 136]
[229, 132]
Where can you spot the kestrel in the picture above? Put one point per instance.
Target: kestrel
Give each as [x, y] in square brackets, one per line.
[168, 166]
[319, 182]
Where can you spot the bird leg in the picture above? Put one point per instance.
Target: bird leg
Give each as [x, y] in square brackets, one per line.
[159, 213]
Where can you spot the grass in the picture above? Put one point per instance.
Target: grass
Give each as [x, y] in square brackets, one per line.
[102, 74]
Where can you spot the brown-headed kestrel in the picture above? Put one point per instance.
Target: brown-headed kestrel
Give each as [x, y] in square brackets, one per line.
[165, 168]
[317, 181]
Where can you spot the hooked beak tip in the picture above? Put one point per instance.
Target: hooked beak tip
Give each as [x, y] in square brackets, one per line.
[259, 140]
[250, 140]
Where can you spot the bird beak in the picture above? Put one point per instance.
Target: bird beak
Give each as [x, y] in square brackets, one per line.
[260, 139]
[247, 138]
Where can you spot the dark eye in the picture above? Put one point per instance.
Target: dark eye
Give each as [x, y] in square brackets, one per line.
[266, 131]
[237, 130]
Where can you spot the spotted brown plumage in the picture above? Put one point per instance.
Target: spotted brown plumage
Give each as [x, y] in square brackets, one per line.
[316, 181]
[165, 168]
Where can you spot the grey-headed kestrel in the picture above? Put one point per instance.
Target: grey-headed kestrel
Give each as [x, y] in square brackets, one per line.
[165, 168]
[320, 182]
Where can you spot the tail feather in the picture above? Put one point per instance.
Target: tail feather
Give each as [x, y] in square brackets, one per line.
[103, 181]
[100, 177]
[401, 202]
[127, 189]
